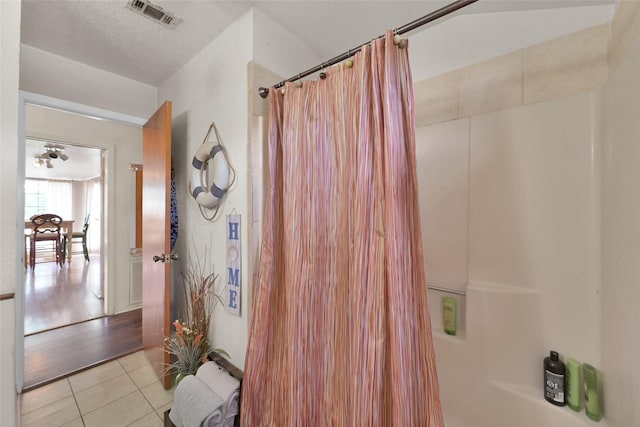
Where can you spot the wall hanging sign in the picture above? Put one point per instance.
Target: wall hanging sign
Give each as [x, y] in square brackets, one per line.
[234, 280]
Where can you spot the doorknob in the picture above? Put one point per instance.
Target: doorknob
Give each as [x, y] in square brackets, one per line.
[166, 258]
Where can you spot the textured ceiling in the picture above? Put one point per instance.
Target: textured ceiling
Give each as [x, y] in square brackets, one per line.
[107, 35]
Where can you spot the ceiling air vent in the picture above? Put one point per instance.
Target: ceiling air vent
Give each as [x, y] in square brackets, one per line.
[153, 12]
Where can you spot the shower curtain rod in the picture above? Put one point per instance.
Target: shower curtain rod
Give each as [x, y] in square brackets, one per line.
[450, 8]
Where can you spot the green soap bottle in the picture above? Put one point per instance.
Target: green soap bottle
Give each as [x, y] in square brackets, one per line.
[592, 392]
[573, 384]
[449, 315]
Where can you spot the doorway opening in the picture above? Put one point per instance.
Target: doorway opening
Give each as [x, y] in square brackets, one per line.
[104, 204]
[68, 183]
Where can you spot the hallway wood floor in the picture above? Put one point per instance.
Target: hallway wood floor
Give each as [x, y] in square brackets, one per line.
[57, 353]
[64, 324]
[57, 296]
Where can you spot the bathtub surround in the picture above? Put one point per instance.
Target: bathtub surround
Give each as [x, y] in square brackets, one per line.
[533, 160]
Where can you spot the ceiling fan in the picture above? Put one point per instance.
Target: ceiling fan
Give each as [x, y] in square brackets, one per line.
[52, 152]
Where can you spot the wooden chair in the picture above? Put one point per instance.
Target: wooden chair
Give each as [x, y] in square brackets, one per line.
[77, 235]
[46, 227]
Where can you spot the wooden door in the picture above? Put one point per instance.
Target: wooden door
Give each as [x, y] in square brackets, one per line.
[156, 268]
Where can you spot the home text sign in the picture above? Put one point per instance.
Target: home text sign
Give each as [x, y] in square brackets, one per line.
[234, 280]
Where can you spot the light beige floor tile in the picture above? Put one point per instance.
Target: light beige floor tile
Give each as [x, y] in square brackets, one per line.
[55, 414]
[121, 412]
[157, 395]
[143, 376]
[133, 361]
[75, 423]
[161, 410]
[95, 376]
[103, 393]
[44, 395]
[150, 420]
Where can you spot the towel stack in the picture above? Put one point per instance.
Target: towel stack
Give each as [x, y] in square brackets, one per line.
[208, 399]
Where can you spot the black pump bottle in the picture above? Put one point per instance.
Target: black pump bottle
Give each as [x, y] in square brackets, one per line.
[554, 379]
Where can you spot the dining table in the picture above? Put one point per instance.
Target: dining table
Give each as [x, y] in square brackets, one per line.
[66, 226]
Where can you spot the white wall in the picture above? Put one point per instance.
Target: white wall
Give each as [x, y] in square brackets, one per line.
[213, 87]
[48, 74]
[124, 146]
[279, 51]
[9, 72]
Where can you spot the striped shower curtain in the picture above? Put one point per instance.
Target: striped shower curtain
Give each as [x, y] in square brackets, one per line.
[340, 333]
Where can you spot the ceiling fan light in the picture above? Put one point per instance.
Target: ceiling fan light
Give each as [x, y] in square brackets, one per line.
[37, 163]
[64, 157]
[49, 164]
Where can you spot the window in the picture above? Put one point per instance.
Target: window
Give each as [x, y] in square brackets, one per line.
[44, 196]
[35, 197]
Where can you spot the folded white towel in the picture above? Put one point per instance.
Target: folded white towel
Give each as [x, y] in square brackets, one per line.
[220, 381]
[196, 405]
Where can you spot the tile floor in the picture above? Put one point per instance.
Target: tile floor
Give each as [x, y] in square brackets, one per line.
[123, 392]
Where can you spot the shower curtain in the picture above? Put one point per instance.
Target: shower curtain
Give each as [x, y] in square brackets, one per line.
[340, 333]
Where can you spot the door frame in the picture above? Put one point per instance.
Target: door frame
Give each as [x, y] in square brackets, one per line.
[30, 98]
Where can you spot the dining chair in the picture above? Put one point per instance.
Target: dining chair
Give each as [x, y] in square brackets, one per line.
[46, 227]
[77, 235]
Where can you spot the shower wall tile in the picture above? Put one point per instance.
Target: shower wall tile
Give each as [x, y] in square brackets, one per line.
[436, 99]
[258, 76]
[623, 33]
[442, 151]
[565, 66]
[258, 142]
[492, 85]
[257, 195]
[624, 58]
[562, 67]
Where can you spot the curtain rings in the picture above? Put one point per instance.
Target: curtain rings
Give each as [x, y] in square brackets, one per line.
[399, 41]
